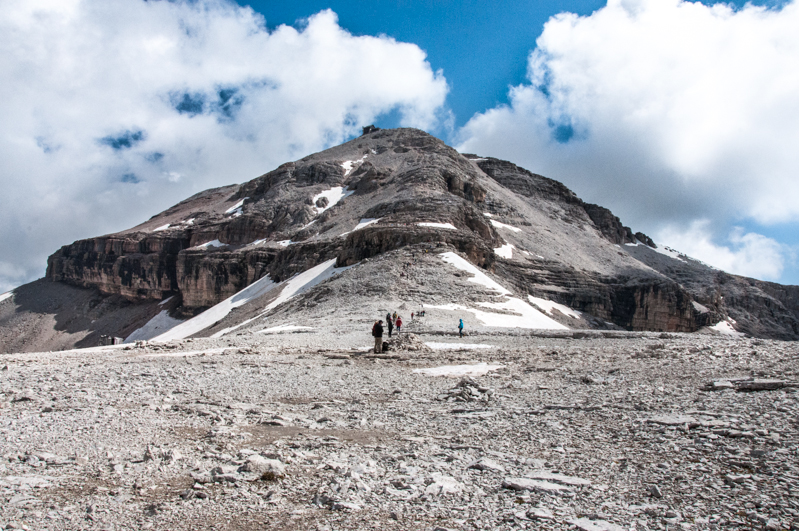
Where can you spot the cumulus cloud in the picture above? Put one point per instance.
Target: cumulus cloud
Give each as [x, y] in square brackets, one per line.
[662, 110]
[745, 253]
[115, 109]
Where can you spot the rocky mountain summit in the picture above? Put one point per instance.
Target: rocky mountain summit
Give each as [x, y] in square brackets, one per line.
[401, 194]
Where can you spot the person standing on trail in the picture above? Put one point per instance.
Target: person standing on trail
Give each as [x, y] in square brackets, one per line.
[389, 323]
[460, 328]
[394, 316]
[411, 316]
[398, 322]
[377, 332]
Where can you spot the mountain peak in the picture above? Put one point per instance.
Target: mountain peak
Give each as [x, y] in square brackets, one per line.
[398, 191]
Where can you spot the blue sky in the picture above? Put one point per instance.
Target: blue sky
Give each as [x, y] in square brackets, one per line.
[481, 46]
[682, 118]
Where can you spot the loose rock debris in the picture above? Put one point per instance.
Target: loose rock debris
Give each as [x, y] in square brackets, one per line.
[248, 438]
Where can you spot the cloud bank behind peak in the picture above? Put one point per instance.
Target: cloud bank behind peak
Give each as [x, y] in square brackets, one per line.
[675, 115]
[115, 110]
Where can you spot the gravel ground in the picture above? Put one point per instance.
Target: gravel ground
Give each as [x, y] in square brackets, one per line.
[297, 430]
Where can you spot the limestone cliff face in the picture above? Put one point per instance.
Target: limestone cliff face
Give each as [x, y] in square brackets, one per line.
[391, 189]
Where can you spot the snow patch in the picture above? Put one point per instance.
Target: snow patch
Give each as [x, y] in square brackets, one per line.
[283, 328]
[220, 311]
[724, 327]
[256, 242]
[517, 313]
[506, 251]
[285, 243]
[159, 324]
[455, 371]
[188, 221]
[548, 306]
[458, 346]
[478, 278]
[449, 226]
[488, 215]
[291, 287]
[523, 316]
[499, 225]
[365, 222]
[166, 300]
[236, 207]
[349, 164]
[162, 227]
[209, 245]
[6, 295]
[700, 308]
[334, 195]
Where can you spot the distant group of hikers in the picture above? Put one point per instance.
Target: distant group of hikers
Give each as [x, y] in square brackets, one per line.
[392, 321]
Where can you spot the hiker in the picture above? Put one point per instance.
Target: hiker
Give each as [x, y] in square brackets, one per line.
[460, 328]
[411, 316]
[389, 323]
[398, 323]
[377, 332]
[394, 316]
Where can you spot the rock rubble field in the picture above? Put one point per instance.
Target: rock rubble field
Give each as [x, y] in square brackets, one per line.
[598, 432]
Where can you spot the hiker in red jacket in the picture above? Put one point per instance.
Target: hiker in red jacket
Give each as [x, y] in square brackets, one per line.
[398, 324]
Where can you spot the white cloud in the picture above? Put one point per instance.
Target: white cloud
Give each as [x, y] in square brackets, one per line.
[115, 109]
[673, 111]
[748, 253]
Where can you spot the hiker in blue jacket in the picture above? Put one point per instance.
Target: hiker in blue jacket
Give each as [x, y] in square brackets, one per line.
[460, 328]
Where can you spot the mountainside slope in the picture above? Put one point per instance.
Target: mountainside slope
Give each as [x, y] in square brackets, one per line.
[404, 189]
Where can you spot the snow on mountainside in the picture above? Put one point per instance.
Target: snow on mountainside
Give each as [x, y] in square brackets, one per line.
[233, 258]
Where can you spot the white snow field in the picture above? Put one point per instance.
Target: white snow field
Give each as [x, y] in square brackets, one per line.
[455, 371]
[365, 222]
[499, 225]
[210, 245]
[162, 227]
[478, 278]
[348, 165]
[215, 313]
[157, 325]
[458, 346]
[506, 251]
[236, 207]
[548, 306]
[522, 314]
[449, 226]
[6, 295]
[726, 328]
[289, 288]
[334, 195]
[283, 328]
